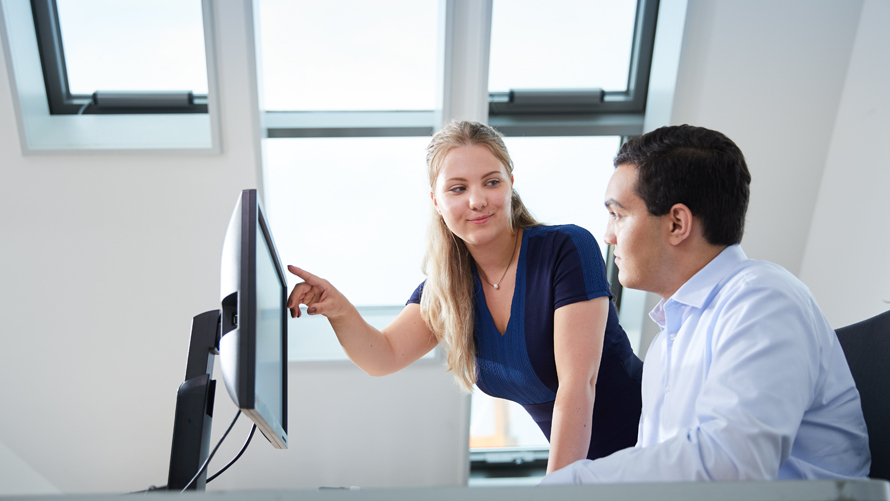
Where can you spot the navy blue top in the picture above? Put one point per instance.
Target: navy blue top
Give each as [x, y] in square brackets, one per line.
[558, 265]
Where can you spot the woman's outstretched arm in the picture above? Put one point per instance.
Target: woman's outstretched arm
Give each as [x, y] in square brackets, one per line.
[377, 352]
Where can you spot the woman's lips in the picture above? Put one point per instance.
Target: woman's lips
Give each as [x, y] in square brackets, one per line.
[481, 219]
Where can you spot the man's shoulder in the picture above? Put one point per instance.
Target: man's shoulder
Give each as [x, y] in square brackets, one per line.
[753, 279]
[756, 273]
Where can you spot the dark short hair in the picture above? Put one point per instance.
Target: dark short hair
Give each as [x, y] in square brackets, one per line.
[697, 167]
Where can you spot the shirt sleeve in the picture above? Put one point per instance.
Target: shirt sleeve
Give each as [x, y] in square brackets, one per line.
[760, 377]
[579, 270]
[416, 295]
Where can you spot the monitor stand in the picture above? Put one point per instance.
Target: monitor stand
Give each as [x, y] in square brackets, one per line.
[194, 406]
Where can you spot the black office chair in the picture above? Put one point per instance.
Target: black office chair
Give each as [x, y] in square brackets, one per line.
[867, 347]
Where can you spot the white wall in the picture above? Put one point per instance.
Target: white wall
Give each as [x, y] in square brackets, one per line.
[19, 478]
[847, 259]
[769, 75]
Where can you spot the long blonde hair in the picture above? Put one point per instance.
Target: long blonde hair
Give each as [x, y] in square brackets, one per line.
[448, 303]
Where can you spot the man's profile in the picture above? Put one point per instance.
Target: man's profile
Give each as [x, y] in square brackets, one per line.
[746, 380]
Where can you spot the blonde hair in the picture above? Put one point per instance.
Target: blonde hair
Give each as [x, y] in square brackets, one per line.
[448, 303]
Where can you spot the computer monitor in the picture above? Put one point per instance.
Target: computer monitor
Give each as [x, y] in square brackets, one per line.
[249, 332]
[253, 324]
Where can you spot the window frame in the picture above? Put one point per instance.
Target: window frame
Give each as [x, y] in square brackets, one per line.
[621, 113]
[59, 97]
[574, 113]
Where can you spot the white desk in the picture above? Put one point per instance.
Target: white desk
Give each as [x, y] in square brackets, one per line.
[792, 490]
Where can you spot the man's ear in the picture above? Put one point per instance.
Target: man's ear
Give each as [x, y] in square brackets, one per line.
[681, 222]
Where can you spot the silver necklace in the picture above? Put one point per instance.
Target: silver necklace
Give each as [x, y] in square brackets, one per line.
[496, 285]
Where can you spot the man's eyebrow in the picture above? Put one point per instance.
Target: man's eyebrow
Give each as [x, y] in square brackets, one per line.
[610, 202]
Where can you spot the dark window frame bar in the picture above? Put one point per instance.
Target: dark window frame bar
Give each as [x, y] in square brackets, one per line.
[55, 75]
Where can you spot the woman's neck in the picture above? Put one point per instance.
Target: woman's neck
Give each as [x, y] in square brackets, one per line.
[495, 257]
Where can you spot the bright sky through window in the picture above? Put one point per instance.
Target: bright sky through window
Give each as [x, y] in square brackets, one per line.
[561, 44]
[135, 45]
[348, 55]
[356, 210]
[351, 210]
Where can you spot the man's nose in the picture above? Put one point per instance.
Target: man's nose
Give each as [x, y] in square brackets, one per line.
[609, 237]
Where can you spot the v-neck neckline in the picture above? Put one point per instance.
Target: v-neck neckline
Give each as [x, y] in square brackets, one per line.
[516, 282]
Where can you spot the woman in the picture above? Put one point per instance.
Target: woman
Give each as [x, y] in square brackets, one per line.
[522, 309]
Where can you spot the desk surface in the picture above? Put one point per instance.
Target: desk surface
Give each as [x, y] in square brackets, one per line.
[796, 490]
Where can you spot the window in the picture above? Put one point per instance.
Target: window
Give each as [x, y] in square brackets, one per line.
[361, 225]
[350, 88]
[349, 56]
[572, 67]
[102, 56]
[66, 60]
[560, 46]
[350, 93]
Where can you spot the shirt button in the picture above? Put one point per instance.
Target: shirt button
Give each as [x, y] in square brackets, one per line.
[673, 336]
[667, 387]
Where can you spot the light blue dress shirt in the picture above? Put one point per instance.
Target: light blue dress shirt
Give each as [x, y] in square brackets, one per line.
[745, 381]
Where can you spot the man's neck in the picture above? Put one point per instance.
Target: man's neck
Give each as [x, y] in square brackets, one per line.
[688, 262]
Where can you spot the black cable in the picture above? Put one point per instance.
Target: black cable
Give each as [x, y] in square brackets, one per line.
[243, 448]
[224, 468]
[207, 461]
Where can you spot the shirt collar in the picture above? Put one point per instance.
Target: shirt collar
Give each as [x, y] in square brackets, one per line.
[697, 289]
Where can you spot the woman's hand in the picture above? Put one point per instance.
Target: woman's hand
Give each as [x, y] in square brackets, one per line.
[378, 353]
[319, 296]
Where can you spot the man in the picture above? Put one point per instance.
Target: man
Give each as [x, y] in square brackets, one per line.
[746, 380]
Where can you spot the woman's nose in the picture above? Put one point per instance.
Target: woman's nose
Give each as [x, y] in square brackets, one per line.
[477, 199]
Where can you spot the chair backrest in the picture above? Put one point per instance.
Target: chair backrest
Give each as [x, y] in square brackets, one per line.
[867, 347]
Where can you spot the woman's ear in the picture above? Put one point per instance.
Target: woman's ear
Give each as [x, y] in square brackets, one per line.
[435, 203]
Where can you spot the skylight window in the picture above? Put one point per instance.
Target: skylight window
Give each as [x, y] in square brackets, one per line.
[349, 56]
[564, 44]
[138, 45]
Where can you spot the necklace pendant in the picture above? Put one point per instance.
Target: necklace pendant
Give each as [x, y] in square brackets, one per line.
[496, 286]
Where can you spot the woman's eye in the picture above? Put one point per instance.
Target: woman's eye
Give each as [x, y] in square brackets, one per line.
[494, 182]
[457, 189]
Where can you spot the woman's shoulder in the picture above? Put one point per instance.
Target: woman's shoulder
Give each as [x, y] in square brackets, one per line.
[579, 236]
[568, 229]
